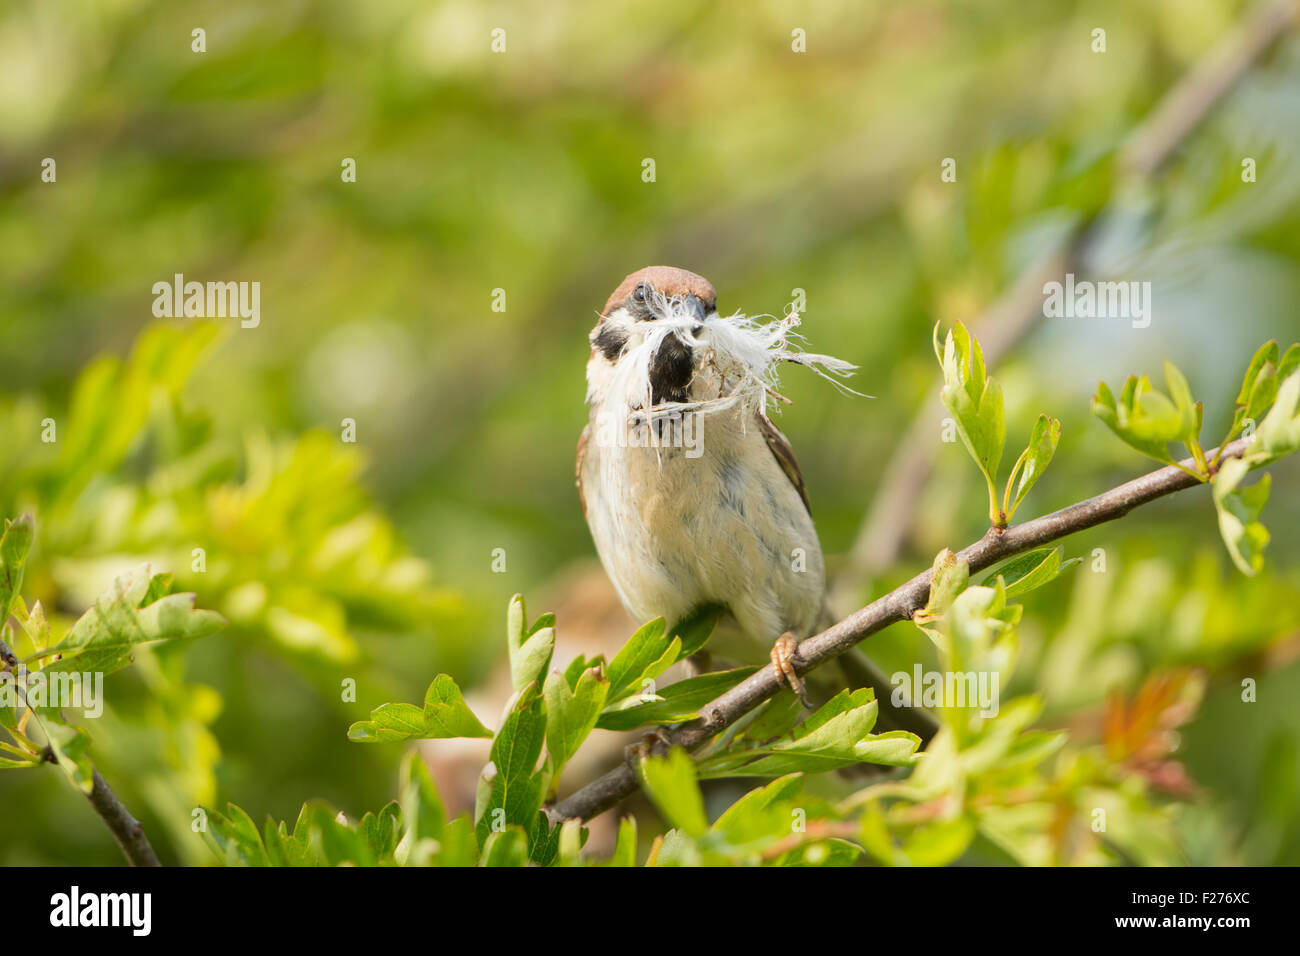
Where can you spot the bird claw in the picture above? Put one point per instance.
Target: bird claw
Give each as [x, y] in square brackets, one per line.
[785, 652]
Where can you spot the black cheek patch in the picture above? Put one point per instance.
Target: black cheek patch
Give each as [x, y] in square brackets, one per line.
[610, 340]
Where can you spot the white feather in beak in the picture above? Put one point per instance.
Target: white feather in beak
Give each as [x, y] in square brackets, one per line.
[745, 354]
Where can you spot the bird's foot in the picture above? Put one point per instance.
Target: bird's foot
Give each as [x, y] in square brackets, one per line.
[785, 652]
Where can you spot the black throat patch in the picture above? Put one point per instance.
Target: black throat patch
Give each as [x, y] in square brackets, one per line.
[670, 371]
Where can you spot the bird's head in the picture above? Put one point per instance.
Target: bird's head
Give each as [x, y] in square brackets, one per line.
[659, 307]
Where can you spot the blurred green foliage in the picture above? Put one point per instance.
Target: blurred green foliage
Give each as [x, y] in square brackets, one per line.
[522, 171]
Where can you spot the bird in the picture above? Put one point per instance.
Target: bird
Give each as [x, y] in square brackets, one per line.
[692, 495]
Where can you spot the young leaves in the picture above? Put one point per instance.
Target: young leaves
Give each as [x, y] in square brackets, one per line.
[1031, 464]
[512, 788]
[975, 401]
[69, 745]
[444, 714]
[321, 836]
[1279, 432]
[1031, 570]
[837, 735]
[948, 578]
[424, 818]
[646, 655]
[1147, 419]
[571, 712]
[14, 545]
[674, 704]
[530, 648]
[1260, 386]
[135, 609]
[670, 782]
[1239, 510]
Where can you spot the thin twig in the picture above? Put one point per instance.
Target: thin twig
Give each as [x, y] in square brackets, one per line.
[126, 828]
[898, 605]
[884, 528]
[1187, 105]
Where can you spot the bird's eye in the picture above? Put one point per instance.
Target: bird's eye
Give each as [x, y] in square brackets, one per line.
[639, 293]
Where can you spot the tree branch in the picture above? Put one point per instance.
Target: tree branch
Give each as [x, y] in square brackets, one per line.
[1143, 154]
[126, 828]
[898, 605]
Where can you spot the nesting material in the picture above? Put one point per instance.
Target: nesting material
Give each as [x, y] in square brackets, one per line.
[743, 354]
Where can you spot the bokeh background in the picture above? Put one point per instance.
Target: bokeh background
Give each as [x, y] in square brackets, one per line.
[521, 171]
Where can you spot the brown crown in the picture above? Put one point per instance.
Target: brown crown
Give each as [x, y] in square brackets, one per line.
[668, 281]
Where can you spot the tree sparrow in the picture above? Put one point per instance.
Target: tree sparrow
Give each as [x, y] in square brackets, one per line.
[692, 495]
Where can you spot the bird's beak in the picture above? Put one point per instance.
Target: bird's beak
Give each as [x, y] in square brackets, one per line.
[694, 307]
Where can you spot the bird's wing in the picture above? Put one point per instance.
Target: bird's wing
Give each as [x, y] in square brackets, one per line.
[582, 454]
[784, 455]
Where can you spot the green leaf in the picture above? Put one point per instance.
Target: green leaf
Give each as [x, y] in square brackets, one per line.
[1239, 510]
[646, 655]
[948, 578]
[506, 848]
[1267, 354]
[676, 703]
[981, 631]
[573, 837]
[831, 852]
[975, 401]
[763, 814]
[14, 545]
[1034, 459]
[332, 841]
[1290, 362]
[837, 735]
[1279, 433]
[381, 831]
[670, 783]
[282, 849]
[571, 712]
[1145, 418]
[69, 745]
[459, 844]
[444, 715]
[105, 636]
[941, 843]
[530, 648]
[1031, 570]
[515, 788]
[776, 718]
[33, 622]
[235, 838]
[625, 847]
[1181, 393]
[1258, 387]
[422, 809]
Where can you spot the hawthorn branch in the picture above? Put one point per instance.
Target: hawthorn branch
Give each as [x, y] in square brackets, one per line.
[126, 828]
[898, 605]
[1144, 153]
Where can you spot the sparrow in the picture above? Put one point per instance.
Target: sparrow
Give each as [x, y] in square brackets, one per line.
[692, 494]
